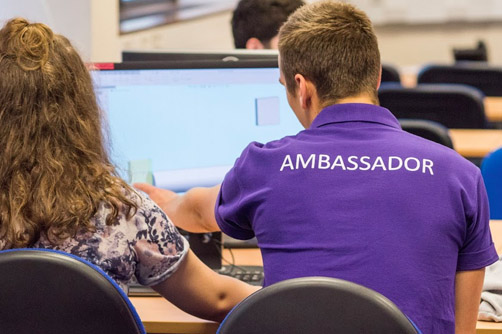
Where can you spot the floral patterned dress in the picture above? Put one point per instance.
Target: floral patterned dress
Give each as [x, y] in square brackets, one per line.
[146, 248]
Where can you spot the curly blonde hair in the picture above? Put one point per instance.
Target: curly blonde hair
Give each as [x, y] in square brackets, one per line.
[54, 168]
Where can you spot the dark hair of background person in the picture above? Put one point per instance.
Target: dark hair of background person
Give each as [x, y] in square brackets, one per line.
[54, 168]
[260, 19]
[334, 45]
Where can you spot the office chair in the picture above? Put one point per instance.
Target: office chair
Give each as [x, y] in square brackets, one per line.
[486, 78]
[454, 106]
[47, 292]
[491, 169]
[390, 74]
[316, 305]
[427, 129]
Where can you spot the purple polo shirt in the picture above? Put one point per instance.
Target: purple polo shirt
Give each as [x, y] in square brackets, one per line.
[357, 198]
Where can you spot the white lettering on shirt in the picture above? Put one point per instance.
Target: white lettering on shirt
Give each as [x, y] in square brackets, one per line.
[353, 162]
[338, 162]
[378, 164]
[427, 165]
[299, 160]
[364, 161]
[407, 164]
[399, 163]
[287, 163]
[323, 161]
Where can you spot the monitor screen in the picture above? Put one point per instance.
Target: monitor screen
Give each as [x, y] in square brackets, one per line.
[184, 125]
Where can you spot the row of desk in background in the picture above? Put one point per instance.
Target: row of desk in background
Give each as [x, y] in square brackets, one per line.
[472, 143]
[477, 143]
[160, 316]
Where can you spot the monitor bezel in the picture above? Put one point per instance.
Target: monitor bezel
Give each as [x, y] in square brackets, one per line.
[236, 55]
[188, 64]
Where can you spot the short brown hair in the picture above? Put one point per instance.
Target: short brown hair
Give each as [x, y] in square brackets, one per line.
[333, 45]
[260, 19]
[54, 167]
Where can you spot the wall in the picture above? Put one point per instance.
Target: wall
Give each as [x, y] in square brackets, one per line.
[104, 25]
[413, 45]
[430, 11]
[207, 33]
[70, 18]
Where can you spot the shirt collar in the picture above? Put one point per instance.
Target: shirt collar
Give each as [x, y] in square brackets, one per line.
[355, 112]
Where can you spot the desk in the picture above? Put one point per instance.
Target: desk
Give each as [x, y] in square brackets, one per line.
[471, 143]
[160, 316]
[493, 108]
[476, 143]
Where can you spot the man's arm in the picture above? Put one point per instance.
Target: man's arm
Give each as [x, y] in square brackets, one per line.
[468, 286]
[198, 290]
[192, 211]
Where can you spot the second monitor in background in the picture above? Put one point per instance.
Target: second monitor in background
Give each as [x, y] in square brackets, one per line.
[184, 55]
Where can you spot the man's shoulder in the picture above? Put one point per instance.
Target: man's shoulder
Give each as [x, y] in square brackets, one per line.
[272, 147]
[441, 153]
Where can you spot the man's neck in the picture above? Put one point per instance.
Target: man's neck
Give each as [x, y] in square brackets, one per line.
[317, 106]
[363, 98]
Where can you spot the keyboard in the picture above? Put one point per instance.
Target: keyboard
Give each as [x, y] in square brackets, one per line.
[138, 290]
[250, 274]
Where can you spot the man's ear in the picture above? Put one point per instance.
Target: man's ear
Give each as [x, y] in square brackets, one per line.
[379, 78]
[304, 91]
[254, 44]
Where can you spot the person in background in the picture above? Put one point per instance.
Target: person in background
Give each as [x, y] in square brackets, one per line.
[256, 23]
[58, 189]
[353, 196]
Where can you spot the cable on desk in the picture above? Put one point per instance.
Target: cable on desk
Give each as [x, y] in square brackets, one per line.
[219, 245]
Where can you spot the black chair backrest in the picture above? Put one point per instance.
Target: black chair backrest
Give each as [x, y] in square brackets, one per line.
[316, 305]
[454, 106]
[486, 78]
[427, 129]
[47, 292]
[390, 74]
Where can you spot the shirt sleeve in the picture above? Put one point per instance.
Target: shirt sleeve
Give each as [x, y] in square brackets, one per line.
[478, 250]
[159, 247]
[234, 201]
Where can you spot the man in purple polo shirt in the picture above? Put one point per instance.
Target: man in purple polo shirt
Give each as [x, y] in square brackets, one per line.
[353, 196]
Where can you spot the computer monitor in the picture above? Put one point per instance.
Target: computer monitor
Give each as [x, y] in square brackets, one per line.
[184, 124]
[183, 55]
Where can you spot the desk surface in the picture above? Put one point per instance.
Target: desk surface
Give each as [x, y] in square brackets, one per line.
[493, 108]
[475, 143]
[160, 316]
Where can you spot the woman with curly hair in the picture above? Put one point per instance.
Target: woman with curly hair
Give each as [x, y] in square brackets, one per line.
[59, 190]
